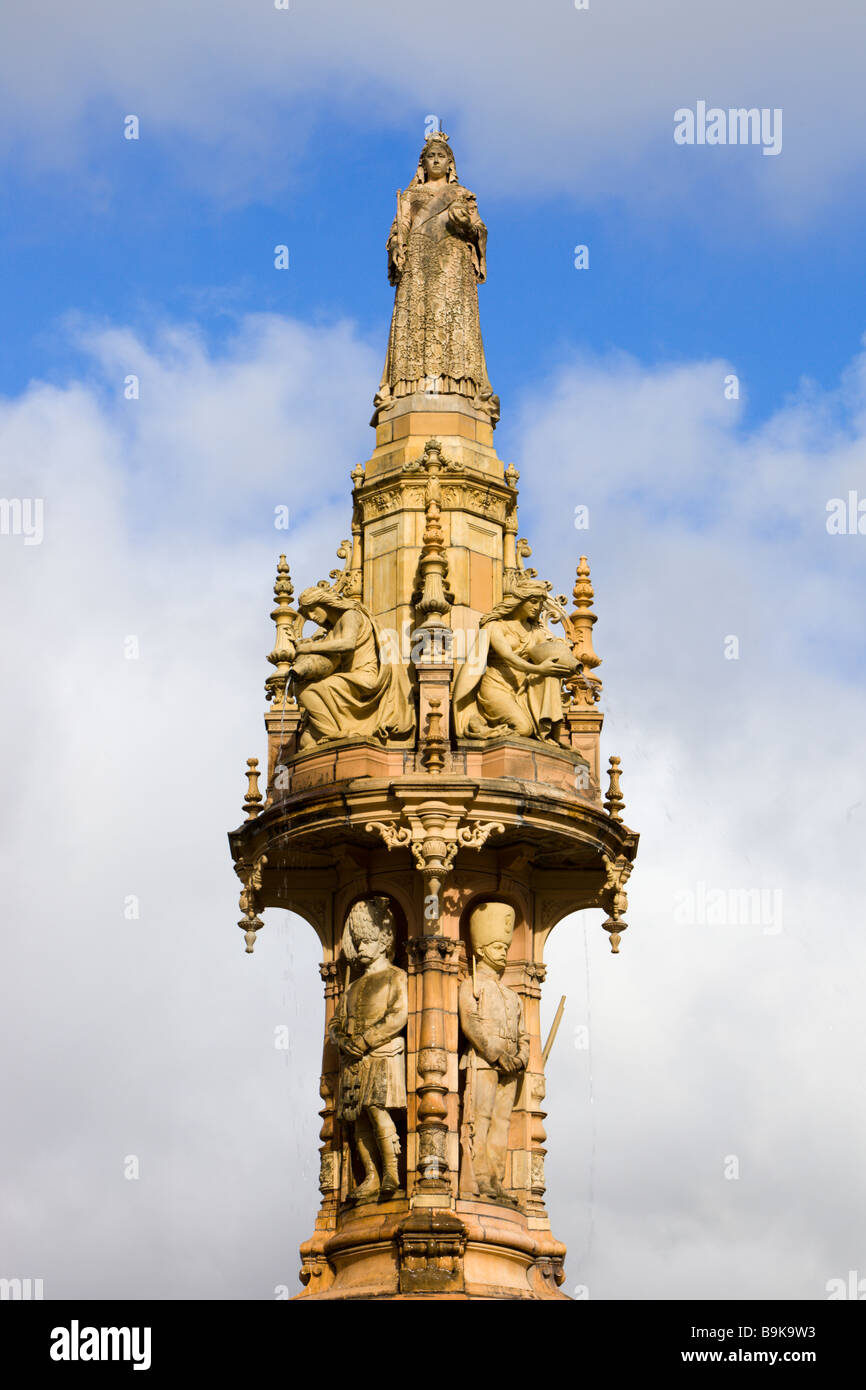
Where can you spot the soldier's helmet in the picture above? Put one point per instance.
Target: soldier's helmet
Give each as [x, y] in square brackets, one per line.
[491, 922]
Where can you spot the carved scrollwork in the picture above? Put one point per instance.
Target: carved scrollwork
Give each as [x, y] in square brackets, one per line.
[435, 839]
[476, 836]
[395, 836]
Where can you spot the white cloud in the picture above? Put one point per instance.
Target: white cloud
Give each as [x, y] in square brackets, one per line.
[715, 1040]
[542, 99]
[154, 1036]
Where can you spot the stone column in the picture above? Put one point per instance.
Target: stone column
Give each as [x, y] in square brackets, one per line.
[534, 1089]
[433, 660]
[434, 958]
[329, 1152]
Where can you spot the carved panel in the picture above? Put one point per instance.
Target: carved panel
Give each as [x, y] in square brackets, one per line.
[431, 1246]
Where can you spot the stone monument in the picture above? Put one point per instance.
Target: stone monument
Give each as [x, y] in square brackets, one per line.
[433, 808]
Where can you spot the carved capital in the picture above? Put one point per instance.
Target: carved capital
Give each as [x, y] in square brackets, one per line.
[329, 971]
[433, 952]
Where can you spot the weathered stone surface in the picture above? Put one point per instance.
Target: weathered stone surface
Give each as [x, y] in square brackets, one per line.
[436, 259]
[435, 747]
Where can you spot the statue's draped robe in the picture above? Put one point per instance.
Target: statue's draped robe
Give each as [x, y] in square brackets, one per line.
[435, 340]
[366, 697]
[497, 693]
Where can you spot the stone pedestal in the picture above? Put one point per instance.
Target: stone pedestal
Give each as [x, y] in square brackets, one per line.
[321, 856]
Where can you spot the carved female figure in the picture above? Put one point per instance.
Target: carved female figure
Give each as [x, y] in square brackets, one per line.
[436, 258]
[515, 684]
[345, 686]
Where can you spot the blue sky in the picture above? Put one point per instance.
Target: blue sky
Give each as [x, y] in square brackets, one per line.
[705, 269]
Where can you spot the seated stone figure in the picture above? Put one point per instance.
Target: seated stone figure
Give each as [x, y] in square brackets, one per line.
[368, 1031]
[344, 685]
[514, 685]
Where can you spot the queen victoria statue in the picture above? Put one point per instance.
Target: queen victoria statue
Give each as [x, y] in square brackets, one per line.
[436, 259]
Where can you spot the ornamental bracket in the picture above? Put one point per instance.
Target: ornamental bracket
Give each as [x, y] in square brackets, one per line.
[433, 831]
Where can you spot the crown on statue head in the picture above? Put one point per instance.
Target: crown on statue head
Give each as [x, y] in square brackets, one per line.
[434, 136]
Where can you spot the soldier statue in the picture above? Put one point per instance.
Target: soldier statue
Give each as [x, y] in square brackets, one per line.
[491, 1017]
[368, 1031]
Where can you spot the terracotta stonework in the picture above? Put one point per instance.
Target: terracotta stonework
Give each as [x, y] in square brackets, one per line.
[433, 776]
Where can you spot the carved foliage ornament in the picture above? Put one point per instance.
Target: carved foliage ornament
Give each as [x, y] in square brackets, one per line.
[617, 873]
[250, 923]
[435, 838]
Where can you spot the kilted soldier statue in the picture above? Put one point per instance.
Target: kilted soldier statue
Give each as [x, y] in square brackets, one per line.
[491, 1017]
[368, 1031]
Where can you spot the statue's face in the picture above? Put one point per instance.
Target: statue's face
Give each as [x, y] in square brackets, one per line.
[370, 942]
[318, 615]
[495, 955]
[436, 161]
[530, 608]
[369, 948]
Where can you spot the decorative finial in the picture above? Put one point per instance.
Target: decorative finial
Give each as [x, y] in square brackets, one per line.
[512, 477]
[284, 589]
[253, 798]
[289, 625]
[583, 619]
[433, 749]
[582, 592]
[615, 800]
[432, 597]
[614, 930]
[250, 925]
